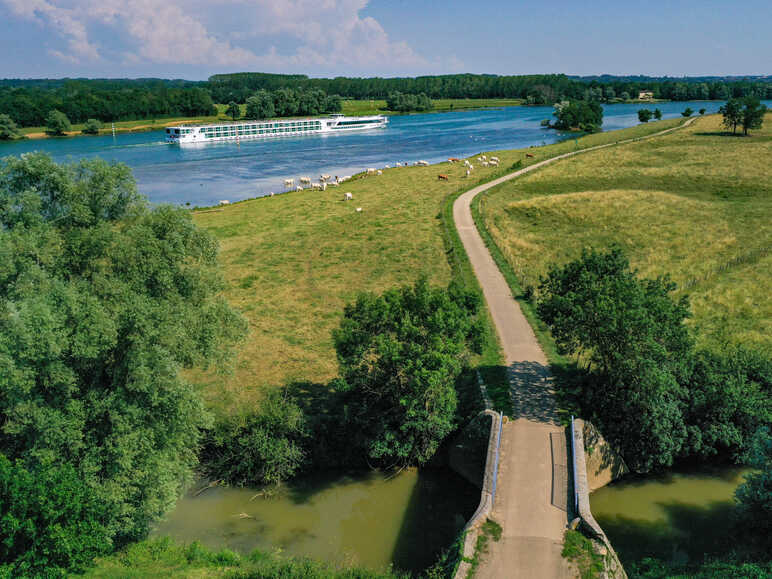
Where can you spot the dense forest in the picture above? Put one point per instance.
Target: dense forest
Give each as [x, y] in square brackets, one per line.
[28, 102]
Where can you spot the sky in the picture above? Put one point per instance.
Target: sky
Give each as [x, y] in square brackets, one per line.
[193, 39]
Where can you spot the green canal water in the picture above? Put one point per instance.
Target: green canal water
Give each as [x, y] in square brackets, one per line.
[370, 519]
[677, 516]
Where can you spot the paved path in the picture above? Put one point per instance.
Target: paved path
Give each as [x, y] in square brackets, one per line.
[532, 497]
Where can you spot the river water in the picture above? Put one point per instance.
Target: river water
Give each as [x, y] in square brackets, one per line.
[676, 516]
[368, 519]
[204, 174]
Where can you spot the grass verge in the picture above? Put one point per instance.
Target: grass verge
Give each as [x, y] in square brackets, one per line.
[489, 531]
[581, 552]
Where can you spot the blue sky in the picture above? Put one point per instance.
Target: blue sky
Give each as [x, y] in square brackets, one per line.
[195, 38]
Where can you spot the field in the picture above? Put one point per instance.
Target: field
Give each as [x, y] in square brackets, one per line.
[695, 204]
[293, 261]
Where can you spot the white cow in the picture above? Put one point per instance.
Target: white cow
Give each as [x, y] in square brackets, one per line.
[379, 172]
[493, 163]
[371, 171]
[305, 180]
[359, 210]
[347, 196]
[298, 188]
[471, 167]
[422, 163]
[496, 159]
[333, 184]
[289, 183]
[224, 202]
[466, 162]
[326, 177]
[484, 158]
[468, 172]
[485, 163]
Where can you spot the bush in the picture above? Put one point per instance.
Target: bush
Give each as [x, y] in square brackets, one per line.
[263, 447]
[644, 115]
[50, 521]
[399, 102]
[92, 127]
[8, 129]
[687, 112]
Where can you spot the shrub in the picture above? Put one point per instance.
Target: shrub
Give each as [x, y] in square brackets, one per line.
[8, 129]
[262, 447]
[50, 521]
[92, 127]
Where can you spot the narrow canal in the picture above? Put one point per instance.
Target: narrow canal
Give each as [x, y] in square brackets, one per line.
[678, 516]
[368, 519]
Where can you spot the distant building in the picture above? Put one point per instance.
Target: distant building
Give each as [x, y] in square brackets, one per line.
[645, 95]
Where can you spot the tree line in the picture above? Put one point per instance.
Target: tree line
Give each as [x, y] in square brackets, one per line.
[28, 102]
[535, 89]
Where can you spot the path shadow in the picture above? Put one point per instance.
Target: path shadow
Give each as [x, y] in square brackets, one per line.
[532, 391]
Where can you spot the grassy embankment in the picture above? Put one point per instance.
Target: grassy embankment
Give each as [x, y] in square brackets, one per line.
[293, 261]
[694, 204]
[164, 558]
[350, 107]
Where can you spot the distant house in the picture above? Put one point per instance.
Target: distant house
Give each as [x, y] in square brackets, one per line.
[645, 95]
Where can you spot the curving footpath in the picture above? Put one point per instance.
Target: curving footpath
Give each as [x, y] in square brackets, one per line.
[532, 500]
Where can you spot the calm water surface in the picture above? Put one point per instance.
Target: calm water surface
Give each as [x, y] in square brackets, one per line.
[205, 174]
[675, 516]
[365, 519]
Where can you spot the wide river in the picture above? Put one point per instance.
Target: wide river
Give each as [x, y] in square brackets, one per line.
[203, 175]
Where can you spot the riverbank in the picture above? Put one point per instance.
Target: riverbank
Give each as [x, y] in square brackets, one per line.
[350, 108]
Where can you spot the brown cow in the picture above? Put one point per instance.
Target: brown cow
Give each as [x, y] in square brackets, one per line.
[529, 155]
[442, 177]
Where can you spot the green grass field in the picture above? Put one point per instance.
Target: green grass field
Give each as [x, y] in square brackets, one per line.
[695, 204]
[293, 261]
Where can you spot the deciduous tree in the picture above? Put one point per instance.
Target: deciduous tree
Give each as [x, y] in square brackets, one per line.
[400, 354]
[103, 301]
[57, 123]
[233, 110]
[752, 114]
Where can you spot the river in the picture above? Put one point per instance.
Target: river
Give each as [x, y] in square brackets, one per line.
[366, 519]
[203, 175]
[677, 516]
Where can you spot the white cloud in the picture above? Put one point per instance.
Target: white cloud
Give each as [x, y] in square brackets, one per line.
[68, 22]
[270, 34]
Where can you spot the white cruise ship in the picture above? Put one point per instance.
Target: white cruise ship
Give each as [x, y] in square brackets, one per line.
[271, 128]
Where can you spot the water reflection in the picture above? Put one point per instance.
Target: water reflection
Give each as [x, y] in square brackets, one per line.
[676, 516]
[369, 519]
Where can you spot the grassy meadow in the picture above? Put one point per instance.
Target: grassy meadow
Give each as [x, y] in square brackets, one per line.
[294, 260]
[695, 204]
